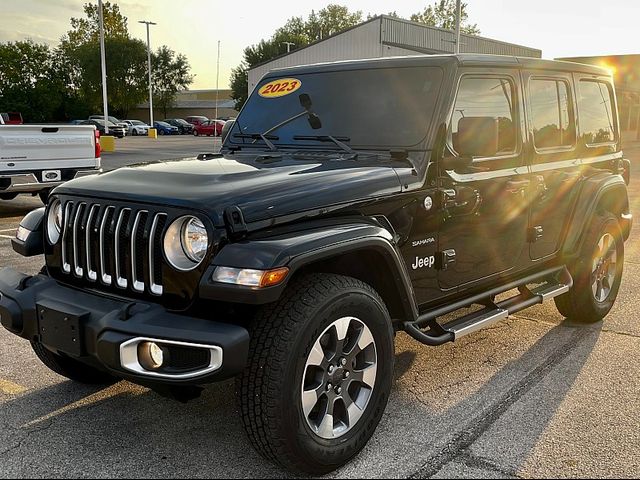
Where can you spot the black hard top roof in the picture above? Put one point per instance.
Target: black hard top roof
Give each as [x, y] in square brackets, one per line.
[463, 59]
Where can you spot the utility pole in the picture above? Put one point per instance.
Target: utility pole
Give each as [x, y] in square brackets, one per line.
[103, 62]
[217, 85]
[150, 77]
[458, 17]
[289, 45]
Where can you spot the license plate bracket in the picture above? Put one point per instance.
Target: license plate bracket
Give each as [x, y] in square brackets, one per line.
[51, 176]
[61, 328]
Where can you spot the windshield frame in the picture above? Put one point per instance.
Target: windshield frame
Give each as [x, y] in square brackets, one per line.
[420, 144]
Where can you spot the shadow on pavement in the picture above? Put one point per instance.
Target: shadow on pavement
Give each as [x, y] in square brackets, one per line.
[126, 430]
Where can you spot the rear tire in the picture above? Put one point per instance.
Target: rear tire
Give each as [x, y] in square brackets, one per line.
[596, 273]
[70, 368]
[195, 133]
[134, 133]
[307, 405]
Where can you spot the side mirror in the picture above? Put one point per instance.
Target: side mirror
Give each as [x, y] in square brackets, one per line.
[476, 137]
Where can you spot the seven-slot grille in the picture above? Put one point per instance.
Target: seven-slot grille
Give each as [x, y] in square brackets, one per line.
[117, 246]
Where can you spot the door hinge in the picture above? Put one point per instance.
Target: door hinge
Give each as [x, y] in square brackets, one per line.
[445, 259]
[535, 233]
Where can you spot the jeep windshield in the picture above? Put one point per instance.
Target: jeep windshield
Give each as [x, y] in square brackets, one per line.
[372, 108]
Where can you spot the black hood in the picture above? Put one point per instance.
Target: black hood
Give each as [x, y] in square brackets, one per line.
[261, 186]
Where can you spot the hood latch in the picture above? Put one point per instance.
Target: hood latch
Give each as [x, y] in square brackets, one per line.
[234, 221]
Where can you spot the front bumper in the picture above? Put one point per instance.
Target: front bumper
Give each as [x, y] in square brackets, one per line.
[98, 330]
[29, 182]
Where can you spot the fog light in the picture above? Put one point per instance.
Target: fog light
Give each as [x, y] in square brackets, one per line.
[150, 355]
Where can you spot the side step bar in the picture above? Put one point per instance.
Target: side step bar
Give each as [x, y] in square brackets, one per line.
[555, 281]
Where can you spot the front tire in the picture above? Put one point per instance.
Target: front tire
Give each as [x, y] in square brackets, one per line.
[319, 373]
[596, 273]
[70, 368]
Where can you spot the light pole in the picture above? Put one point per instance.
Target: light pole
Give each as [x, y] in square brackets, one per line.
[103, 63]
[217, 83]
[458, 19]
[150, 78]
[289, 45]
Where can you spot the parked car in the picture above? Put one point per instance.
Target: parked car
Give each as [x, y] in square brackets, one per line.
[184, 127]
[426, 185]
[226, 128]
[112, 119]
[34, 159]
[12, 118]
[209, 128]
[165, 129]
[136, 127]
[115, 130]
[196, 120]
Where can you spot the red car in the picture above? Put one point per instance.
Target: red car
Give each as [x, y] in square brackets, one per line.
[208, 128]
[11, 118]
[196, 120]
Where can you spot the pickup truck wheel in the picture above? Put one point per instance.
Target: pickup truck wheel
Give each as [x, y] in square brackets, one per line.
[70, 368]
[319, 373]
[596, 273]
[44, 196]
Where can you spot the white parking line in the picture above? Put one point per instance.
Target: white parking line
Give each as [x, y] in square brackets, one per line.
[7, 237]
[8, 230]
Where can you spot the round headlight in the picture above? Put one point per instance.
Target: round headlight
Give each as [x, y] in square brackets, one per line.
[54, 221]
[195, 240]
[186, 243]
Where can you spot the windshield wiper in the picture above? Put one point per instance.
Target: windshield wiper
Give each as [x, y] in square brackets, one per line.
[314, 120]
[328, 138]
[260, 136]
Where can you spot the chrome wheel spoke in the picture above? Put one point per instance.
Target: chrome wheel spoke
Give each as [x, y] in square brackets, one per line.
[325, 430]
[316, 356]
[354, 412]
[310, 399]
[366, 376]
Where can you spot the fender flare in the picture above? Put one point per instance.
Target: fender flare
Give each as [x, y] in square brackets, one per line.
[602, 187]
[302, 248]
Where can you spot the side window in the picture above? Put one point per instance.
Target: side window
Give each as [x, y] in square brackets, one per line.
[595, 107]
[480, 99]
[551, 114]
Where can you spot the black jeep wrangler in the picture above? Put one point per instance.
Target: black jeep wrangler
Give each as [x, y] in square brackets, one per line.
[350, 201]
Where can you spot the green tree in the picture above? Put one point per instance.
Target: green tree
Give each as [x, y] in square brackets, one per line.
[85, 30]
[171, 73]
[31, 81]
[442, 14]
[301, 32]
[126, 60]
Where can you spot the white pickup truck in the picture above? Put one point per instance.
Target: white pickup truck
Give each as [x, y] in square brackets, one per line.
[34, 159]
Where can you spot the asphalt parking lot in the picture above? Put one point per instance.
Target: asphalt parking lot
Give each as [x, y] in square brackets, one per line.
[534, 396]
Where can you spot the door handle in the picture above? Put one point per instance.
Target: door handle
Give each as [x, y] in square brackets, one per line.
[517, 187]
[461, 201]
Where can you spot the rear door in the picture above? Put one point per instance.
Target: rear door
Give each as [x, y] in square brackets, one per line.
[555, 164]
[485, 209]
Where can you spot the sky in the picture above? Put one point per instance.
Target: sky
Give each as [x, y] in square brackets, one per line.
[560, 28]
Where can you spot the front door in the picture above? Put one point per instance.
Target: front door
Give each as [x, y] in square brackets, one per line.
[483, 231]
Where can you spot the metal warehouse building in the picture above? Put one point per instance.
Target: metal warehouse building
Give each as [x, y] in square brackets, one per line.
[386, 36]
